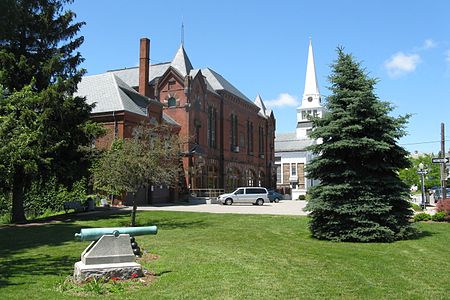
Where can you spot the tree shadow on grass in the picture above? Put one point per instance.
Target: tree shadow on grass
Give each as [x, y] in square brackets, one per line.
[34, 267]
[17, 242]
[420, 234]
[86, 216]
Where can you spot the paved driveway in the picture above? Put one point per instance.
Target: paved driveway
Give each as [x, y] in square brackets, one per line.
[284, 207]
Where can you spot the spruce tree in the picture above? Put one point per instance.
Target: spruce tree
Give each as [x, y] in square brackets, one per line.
[360, 196]
[42, 126]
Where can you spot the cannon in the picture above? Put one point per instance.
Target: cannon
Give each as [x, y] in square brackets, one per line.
[112, 253]
[93, 234]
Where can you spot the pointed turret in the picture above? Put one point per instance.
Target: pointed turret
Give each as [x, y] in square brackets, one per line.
[311, 101]
[259, 102]
[181, 62]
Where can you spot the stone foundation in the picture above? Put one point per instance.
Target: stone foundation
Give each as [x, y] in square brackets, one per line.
[107, 271]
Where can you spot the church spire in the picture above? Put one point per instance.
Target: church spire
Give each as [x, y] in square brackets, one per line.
[311, 104]
[311, 85]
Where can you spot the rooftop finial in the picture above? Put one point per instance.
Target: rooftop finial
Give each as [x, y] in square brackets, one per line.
[182, 32]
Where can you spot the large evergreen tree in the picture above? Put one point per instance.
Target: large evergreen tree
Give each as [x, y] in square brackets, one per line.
[360, 196]
[42, 126]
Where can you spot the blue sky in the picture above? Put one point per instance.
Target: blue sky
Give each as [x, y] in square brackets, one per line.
[261, 48]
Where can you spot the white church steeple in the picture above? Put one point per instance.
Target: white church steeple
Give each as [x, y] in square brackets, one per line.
[311, 101]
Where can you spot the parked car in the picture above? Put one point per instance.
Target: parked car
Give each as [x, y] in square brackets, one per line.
[275, 196]
[254, 195]
[438, 194]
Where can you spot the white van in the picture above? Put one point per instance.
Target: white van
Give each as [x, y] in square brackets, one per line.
[255, 195]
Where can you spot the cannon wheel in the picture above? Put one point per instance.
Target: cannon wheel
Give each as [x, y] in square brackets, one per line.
[229, 201]
[260, 201]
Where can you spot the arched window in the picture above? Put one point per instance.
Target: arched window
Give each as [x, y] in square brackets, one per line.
[171, 102]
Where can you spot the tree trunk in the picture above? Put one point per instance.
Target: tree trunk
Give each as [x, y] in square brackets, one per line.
[18, 212]
[133, 212]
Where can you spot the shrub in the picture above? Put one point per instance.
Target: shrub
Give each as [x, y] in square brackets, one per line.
[439, 216]
[45, 196]
[422, 217]
[308, 197]
[301, 197]
[444, 206]
[415, 207]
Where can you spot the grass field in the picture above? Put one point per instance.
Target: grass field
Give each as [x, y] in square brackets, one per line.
[213, 256]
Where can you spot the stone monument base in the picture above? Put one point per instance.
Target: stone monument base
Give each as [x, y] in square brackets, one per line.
[107, 271]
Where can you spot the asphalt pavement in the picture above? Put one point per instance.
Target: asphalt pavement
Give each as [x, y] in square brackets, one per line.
[284, 207]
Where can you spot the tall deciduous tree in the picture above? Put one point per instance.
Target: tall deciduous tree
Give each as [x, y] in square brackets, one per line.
[360, 196]
[41, 124]
[152, 156]
[410, 176]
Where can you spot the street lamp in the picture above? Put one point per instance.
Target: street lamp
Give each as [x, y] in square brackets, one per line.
[422, 173]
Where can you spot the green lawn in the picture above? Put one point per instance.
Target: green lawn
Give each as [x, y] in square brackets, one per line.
[214, 256]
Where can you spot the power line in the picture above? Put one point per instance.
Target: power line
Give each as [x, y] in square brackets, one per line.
[420, 143]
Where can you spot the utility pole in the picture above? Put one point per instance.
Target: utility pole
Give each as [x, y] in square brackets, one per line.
[443, 185]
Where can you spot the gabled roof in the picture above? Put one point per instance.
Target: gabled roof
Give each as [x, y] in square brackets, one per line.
[181, 62]
[214, 81]
[219, 83]
[195, 72]
[131, 75]
[110, 93]
[288, 142]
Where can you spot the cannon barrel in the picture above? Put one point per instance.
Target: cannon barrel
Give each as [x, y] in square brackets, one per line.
[93, 234]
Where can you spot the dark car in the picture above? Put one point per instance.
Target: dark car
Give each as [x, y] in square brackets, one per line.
[275, 196]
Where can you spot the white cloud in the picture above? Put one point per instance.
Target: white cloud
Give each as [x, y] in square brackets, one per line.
[283, 99]
[429, 44]
[401, 64]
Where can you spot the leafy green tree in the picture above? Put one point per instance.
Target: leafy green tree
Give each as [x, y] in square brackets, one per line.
[410, 176]
[360, 196]
[151, 156]
[42, 126]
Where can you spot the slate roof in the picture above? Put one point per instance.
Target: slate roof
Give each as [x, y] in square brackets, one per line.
[181, 62]
[110, 93]
[287, 142]
[169, 120]
[214, 81]
[131, 75]
[104, 86]
[218, 83]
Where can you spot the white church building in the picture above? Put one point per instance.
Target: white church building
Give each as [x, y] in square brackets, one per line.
[291, 156]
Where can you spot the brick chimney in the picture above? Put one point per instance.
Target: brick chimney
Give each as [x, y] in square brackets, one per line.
[144, 59]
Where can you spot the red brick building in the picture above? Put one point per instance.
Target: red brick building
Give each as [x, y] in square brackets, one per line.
[230, 138]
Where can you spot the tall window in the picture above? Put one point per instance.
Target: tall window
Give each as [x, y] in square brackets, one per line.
[197, 134]
[234, 130]
[293, 170]
[261, 140]
[249, 137]
[212, 125]
[278, 173]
